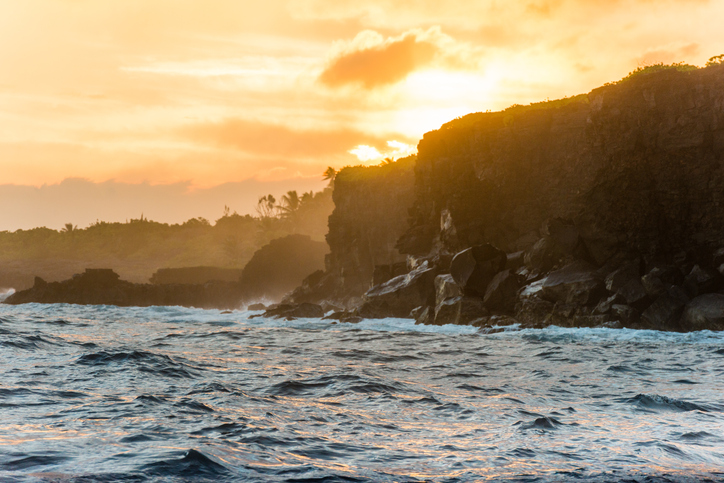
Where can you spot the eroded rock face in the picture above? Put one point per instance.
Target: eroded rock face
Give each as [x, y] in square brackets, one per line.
[627, 173]
[574, 284]
[462, 310]
[474, 268]
[399, 296]
[446, 288]
[704, 312]
[502, 291]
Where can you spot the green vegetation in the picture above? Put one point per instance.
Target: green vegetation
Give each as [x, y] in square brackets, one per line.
[139, 247]
[716, 60]
[507, 116]
[651, 69]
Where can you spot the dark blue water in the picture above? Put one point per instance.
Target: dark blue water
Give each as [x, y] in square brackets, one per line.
[171, 394]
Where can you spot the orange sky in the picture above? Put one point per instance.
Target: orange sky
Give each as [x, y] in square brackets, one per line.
[154, 93]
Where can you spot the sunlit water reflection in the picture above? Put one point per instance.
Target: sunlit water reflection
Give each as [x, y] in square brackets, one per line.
[173, 394]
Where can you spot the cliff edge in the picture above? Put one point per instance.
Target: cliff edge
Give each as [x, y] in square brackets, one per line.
[604, 209]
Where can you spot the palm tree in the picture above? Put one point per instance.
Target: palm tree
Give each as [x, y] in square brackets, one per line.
[329, 174]
[267, 207]
[69, 228]
[290, 202]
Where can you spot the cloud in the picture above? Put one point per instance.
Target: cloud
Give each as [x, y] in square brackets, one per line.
[277, 140]
[372, 61]
[669, 54]
[385, 63]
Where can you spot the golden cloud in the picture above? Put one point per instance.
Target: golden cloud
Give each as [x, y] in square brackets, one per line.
[371, 61]
[277, 140]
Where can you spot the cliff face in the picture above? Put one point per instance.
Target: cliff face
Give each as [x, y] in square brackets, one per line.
[370, 214]
[638, 166]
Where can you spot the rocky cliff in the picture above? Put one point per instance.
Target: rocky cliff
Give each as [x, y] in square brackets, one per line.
[636, 165]
[370, 214]
[605, 209]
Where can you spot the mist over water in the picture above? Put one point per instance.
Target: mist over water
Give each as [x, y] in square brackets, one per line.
[100, 393]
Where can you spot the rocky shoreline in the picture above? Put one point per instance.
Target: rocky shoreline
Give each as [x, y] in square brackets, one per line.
[103, 287]
[602, 210]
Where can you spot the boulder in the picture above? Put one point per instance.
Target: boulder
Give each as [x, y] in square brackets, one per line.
[515, 260]
[622, 276]
[533, 312]
[383, 273]
[634, 294]
[653, 285]
[531, 309]
[543, 256]
[425, 316]
[459, 310]
[574, 284]
[474, 268]
[703, 280]
[705, 312]
[398, 296]
[256, 307]
[291, 311]
[624, 313]
[306, 310]
[604, 306]
[445, 288]
[502, 291]
[664, 313]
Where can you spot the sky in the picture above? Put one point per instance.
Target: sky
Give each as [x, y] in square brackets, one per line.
[176, 108]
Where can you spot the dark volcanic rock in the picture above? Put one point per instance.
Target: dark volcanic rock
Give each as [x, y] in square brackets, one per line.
[624, 313]
[459, 311]
[501, 294]
[446, 288]
[544, 255]
[383, 273]
[281, 265]
[574, 284]
[474, 268]
[664, 313]
[293, 311]
[705, 312]
[625, 274]
[103, 287]
[703, 280]
[632, 174]
[397, 297]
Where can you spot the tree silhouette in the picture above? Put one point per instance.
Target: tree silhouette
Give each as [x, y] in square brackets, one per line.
[267, 207]
[290, 202]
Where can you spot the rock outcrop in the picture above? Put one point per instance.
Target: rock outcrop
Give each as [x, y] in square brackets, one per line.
[281, 265]
[370, 215]
[605, 209]
[103, 287]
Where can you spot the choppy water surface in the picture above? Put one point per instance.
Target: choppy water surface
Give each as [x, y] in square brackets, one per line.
[171, 394]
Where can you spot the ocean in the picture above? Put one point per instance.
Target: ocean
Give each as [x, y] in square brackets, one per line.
[102, 393]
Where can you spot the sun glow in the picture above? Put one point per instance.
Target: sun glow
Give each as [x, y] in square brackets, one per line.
[369, 153]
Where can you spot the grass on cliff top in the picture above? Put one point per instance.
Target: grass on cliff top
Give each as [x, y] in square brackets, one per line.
[361, 172]
[509, 113]
[652, 69]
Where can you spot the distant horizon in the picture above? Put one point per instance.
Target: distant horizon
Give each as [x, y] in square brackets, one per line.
[83, 202]
[159, 104]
